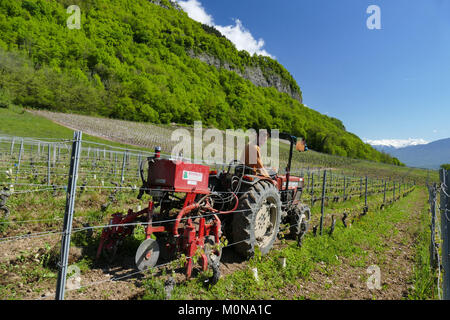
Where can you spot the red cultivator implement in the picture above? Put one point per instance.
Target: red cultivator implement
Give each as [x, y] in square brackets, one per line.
[184, 222]
[191, 208]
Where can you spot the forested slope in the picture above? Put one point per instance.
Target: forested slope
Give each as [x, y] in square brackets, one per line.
[136, 60]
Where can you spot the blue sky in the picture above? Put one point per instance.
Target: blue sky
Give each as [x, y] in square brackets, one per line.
[392, 83]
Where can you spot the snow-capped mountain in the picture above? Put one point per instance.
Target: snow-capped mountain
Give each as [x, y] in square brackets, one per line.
[397, 143]
[415, 153]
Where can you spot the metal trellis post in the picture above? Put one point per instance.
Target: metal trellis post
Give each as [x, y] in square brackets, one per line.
[312, 189]
[20, 159]
[445, 225]
[322, 208]
[432, 200]
[345, 184]
[393, 200]
[12, 146]
[68, 216]
[365, 197]
[123, 166]
[139, 166]
[48, 164]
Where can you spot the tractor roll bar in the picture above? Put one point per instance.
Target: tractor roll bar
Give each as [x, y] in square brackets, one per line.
[293, 140]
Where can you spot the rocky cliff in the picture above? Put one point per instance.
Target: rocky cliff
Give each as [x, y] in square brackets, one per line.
[260, 78]
[254, 74]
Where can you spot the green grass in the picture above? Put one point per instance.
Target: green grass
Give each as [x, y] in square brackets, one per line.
[319, 253]
[16, 121]
[424, 277]
[371, 234]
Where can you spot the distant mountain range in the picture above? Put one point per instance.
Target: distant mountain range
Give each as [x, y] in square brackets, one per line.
[429, 156]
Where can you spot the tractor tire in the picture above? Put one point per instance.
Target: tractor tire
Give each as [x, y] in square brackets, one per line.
[299, 221]
[257, 221]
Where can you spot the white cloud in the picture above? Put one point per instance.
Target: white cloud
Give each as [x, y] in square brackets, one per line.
[195, 11]
[243, 39]
[237, 34]
[397, 143]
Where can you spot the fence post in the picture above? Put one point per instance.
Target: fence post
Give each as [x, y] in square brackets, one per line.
[95, 158]
[115, 162]
[384, 197]
[123, 166]
[322, 208]
[445, 224]
[365, 197]
[309, 181]
[432, 200]
[12, 146]
[330, 184]
[312, 189]
[393, 200]
[345, 183]
[54, 155]
[48, 163]
[68, 216]
[18, 162]
[139, 166]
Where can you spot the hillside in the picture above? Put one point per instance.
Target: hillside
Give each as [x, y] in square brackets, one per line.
[147, 136]
[149, 62]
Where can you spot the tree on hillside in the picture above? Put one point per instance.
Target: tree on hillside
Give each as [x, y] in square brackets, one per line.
[133, 61]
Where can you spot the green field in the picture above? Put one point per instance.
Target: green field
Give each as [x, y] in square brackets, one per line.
[18, 122]
[325, 267]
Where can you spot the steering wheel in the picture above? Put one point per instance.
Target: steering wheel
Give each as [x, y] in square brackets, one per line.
[142, 174]
[231, 164]
[239, 167]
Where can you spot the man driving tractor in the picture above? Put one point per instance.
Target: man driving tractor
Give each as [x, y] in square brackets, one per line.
[251, 156]
[252, 150]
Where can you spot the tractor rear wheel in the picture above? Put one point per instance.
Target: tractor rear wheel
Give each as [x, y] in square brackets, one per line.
[257, 220]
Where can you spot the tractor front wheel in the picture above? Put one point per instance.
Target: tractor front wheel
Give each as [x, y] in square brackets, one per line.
[299, 221]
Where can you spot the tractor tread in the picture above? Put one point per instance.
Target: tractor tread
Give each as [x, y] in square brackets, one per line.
[243, 224]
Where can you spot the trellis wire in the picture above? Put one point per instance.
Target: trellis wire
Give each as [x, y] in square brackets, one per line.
[130, 158]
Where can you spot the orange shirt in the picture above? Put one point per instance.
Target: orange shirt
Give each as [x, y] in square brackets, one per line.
[252, 158]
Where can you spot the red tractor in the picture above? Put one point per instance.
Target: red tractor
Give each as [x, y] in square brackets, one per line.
[192, 208]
